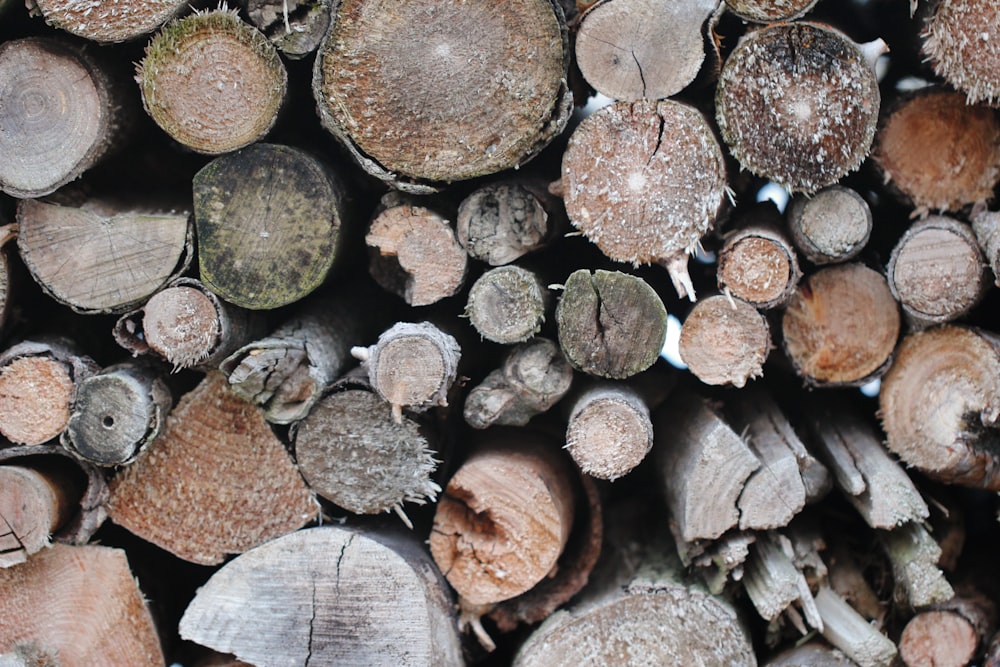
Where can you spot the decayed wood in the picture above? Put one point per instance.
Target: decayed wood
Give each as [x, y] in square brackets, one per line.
[534, 376]
[35, 502]
[295, 28]
[415, 253]
[610, 324]
[770, 11]
[499, 222]
[187, 325]
[914, 556]
[37, 383]
[609, 431]
[96, 615]
[833, 225]
[937, 271]
[939, 404]
[504, 518]
[986, 225]
[813, 654]
[873, 482]
[634, 49]
[412, 365]
[466, 102]
[259, 208]
[951, 633]
[107, 22]
[216, 482]
[353, 452]
[950, 31]
[725, 341]
[757, 262]
[798, 103]
[841, 326]
[60, 116]
[644, 181]
[116, 412]
[939, 151]
[103, 256]
[212, 82]
[773, 583]
[318, 597]
[508, 304]
[851, 633]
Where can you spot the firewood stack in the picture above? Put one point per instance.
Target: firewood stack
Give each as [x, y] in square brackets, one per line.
[443, 332]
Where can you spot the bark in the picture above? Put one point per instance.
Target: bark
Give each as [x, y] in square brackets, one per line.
[725, 341]
[269, 221]
[508, 304]
[214, 104]
[609, 431]
[104, 256]
[832, 226]
[770, 11]
[121, 22]
[971, 70]
[768, 105]
[482, 108]
[319, 597]
[757, 262]
[848, 631]
[914, 556]
[295, 28]
[35, 502]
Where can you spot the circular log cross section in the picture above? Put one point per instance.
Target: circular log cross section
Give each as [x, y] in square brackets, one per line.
[35, 396]
[107, 21]
[212, 82]
[507, 305]
[962, 39]
[832, 226]
[443, 90]
[725, 341]
[798, 103]
[759, 268]
[55, 115]
[182, 325]
[770, 11]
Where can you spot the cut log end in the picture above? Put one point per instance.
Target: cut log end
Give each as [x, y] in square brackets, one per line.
[125, 22]
[414, 366]
[32, 507]
[499, 223]
[507, 305]
[758, 268]
[832, 226]
[609, 433]
[725, 341]
[973, 70]
[770, 11]
[938, 639]
[182, 325]
[35, 396]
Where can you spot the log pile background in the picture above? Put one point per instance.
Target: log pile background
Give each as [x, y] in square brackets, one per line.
[357, 355]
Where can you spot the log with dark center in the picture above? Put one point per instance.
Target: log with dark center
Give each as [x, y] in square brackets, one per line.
[295, 28]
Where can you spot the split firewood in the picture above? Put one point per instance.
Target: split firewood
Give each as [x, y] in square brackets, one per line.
[412, 365]
[725, 341]
[484, 106]
[721, 561]
[609, 431]
[757, 262]
[940, 152]
[534, 376]
[37, 498]
[634, 49]
[414, 251]
[949, 634]
[116, 412]
[38, 380]
[798, 103]
[945, 439]
[217, 481]
[773, 583]
[874, 483]
[851, 633]
[952, 26]
[914, 556]
[846, 577]
[610, 324]
[96, 615]
[833, 225]
[770, 11]
[502, 221]
[508, 304]
[351, 451]
[986, 225]
[638, 586]
[212, 82]
[813, 654]
[187, 325]
[644, 181]
[118, 22]
[841, 326]
[62, 113]
[269, 222]
[318, 596]
[937, 271]
[295, 28]
[104, 256]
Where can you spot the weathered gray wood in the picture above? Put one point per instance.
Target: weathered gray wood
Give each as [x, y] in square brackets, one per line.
[508, 304]
[813, 654]
[295, 28]
[833, 225]
[848, 631]
[773, 583]
[986, 226]
[914, 556]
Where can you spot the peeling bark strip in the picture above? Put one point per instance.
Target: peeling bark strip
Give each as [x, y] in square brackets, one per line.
[60, 114]
[212, 82]
[950, 440]
[940, 152]
[319, 597]
[757, 262]
[797, 103]
[831, 226]
[611, 324]
[634, 49]
[937, 271]
[644, 182]
[38, 380]
[269, 222]
[116, 413]
[609, 431]
[103, 256]
[507, 304]
[725, 341]
[96, 615]
[35, 501]
[841, 326]
[254, 492]
[484, 93]
[295, 28]
[951, 31]
[770, 11]
[108, 22]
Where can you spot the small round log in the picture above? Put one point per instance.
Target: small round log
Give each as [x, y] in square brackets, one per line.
[507, 304]
[725, 341]
[833, 225]
[951, 30]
